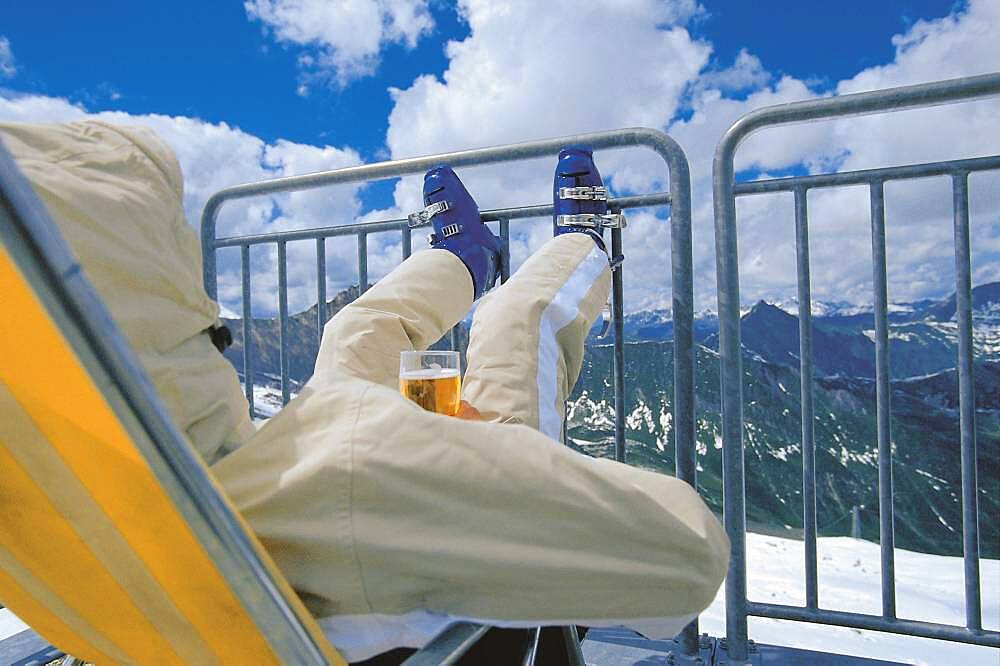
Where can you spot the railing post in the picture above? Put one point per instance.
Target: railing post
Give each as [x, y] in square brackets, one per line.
[682, 312]
[806, 393]
[320, 288]
[247, 328]
[505, 243]
[883, 415]
[618, 321]
[362, 263]
[731, 385]
[283, 321]
[967, 401]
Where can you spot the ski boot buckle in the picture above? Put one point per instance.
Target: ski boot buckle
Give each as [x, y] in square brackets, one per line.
[597, 193]
[423, 218]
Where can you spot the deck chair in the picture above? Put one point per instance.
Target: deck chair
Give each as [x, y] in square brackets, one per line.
[116, 544]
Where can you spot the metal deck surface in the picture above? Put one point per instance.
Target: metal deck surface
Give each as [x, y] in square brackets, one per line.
[622, 647]
[603, 647]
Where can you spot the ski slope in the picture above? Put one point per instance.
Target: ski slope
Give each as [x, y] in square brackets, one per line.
[928, 587]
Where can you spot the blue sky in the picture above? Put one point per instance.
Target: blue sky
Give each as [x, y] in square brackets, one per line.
[273, 87]
[209, 60]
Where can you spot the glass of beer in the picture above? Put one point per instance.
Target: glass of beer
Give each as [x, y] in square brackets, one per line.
[432, 379]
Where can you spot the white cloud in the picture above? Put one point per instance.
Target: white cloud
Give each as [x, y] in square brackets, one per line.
[534, 70]
[343, 38]
[530, 70]
[215, 155]
[7, 67]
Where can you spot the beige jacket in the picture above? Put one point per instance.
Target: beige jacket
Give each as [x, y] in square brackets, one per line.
[115, 194]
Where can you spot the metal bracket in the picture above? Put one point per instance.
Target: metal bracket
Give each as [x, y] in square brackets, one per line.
[596, 193]
[423, 217]
[593, 221]
[446, 232]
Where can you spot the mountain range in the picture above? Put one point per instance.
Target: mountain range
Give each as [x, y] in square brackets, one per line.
[926, 463]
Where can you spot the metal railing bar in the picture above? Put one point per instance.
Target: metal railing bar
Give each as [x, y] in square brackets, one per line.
[320, 288]
[283, 320]
[875, 623]
[310, 234]
[519, 212]
[247, 326]
[882, 399]
[406, 242]
[505, 244]
[967, 402]
[618, 322]
[666, 147]
[843, 178]
[806, 395]
[362, 263]
[448, 647]
[864, 103]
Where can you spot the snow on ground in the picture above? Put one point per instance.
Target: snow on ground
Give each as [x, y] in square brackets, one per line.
[266, 402]
[10, 624]
[928, 587]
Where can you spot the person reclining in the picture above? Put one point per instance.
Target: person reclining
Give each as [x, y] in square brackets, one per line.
[388, 520]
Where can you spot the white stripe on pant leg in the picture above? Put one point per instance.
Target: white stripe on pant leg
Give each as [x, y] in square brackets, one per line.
[563, 309]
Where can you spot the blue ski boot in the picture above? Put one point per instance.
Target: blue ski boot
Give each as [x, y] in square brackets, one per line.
[457, 228]
[579, 198]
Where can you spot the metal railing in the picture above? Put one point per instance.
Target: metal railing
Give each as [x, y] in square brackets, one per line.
[678, 198]
[725, 192]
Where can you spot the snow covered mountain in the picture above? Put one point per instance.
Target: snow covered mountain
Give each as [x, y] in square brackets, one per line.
[925, 427]
[926, 469]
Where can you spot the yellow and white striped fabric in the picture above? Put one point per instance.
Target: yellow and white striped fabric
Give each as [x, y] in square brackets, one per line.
[93, 554]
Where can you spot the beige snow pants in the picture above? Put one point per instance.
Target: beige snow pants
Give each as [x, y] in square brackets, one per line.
[371, 505]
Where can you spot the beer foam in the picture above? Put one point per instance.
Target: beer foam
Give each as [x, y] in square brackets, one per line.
[429, 373]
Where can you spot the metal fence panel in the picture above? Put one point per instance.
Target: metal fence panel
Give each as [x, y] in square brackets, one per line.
[725, 190]
[679, 199]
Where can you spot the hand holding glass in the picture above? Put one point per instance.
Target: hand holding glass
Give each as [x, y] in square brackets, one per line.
[432, 379]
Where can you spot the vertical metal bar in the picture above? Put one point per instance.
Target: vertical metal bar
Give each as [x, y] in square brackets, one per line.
[806, 394]
[882, 397]
[856, 522]
[247, 328]
[534, 638]
[682, 304]
[283, 320]
[731, 392]
[362, 263]
[505, 243]
[967, 401]
[320, 288]
[617, 320]
[454, 337]
[572, 641]
[407, 242]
